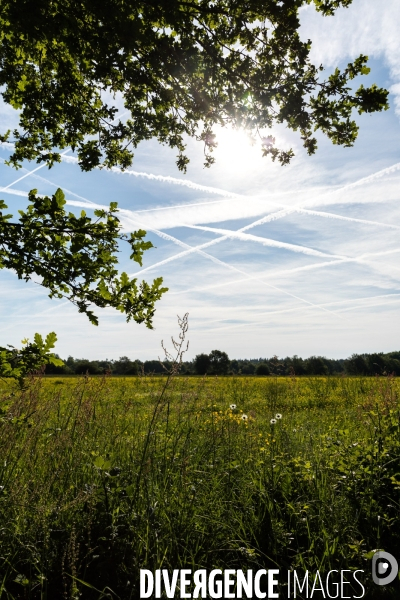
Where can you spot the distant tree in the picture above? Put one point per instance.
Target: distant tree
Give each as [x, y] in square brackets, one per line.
[58, 370]
[105, 366]
[376, 364]
[276, 366]
[356, 365]
[393, 365]
[153, 366]
[262, 369]
[234, 366]
[315, 365]
[84, 366]
[248, 368]
[124, 366]
[297, 364]
[392, 362]
[219, 362]
[202, 364]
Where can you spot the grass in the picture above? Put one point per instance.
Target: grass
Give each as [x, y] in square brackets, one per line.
[102, 477]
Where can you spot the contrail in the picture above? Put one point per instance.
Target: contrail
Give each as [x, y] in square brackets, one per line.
[40, 314]
[217, 190]
[20, 178]
[285, 272]
[226, 193]
[199, 249]
[220, 191]
[15, 192]
[194, 249]
[63, 188]
[282, 213]
[28, 173]
[266, 241]
[232, 268]
[376, 175]
[166, 179]
[271, 217]
[329, 215]
[168, 237]
[24, 194]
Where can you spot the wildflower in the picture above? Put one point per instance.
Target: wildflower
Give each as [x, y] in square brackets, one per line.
[232, 406]
[244, 417]
[273, 421]
[249, 552]
[278, 416]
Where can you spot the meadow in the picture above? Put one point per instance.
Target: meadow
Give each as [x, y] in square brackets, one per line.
[103, 476]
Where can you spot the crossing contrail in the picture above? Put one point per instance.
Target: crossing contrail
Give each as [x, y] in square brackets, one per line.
[233, 268]
[28, 173]
[365, 258]
[266, 241]
[128, 217]
[219, 191]
[227, 193]
[273, 216]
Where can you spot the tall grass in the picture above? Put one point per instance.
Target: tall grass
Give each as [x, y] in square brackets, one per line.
[102, 477]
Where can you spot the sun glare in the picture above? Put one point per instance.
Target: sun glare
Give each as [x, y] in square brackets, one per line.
[236, 151]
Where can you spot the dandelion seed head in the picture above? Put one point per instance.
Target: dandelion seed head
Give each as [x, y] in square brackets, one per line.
[232, 406]
[278, 416]
[244, 417]
[273, 421]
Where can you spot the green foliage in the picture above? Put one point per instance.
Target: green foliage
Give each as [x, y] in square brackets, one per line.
[215, 363]
[262, 369]
[18, 364]
[76, 257]
[219, 362]
[202, 364]
[181, 68]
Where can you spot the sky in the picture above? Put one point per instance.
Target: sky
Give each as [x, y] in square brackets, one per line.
[267, 260]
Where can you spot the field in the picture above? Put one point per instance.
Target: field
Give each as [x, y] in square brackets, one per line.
[100, 477]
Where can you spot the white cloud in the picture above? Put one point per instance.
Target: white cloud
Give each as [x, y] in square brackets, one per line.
[366, 27]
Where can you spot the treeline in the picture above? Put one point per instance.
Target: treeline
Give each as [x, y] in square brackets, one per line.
[218, 363]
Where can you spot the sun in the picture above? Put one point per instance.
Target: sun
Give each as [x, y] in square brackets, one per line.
[237, 151]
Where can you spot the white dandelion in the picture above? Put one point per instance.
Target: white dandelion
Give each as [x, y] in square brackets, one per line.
[273, 421]
[244, 417]
[232, 406]
[278, 416]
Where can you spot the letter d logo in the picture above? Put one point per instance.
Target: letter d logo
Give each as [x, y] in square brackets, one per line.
[384, 568]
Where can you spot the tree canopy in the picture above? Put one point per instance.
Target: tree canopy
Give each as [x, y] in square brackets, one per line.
[179, 67]
[75, 257]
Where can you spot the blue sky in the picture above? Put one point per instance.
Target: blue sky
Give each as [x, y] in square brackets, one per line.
[266, 259]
